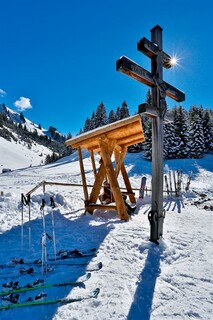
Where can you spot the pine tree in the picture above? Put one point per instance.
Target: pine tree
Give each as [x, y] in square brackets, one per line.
[207, 130]
[181, 130]
[124, 111]
[171, 141]
[100, 116]
[112, 116]
[197, 146]
[22, 118]
[88, 125]
[69, 136]
[118, 116]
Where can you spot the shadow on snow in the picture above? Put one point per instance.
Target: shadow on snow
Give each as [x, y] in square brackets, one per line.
[78, 233]
[141, 307]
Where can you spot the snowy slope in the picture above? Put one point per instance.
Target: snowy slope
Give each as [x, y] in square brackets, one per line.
[139, 280]
[17, 155]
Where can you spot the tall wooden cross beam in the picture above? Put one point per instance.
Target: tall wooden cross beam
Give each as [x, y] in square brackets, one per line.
[160, 89]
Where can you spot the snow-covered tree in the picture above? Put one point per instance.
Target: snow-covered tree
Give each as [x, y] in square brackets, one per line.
[118, 115]
[182, 131]
[112, 116]
[101, 118]
[88, 125]
[22, 118]
[197, 146]
[171, 141]
[207, 130]
[124, 111]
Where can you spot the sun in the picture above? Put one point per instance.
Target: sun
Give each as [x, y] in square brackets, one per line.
[173, 61]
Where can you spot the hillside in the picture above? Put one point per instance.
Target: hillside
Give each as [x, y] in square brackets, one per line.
[139, 280]
[24, 143]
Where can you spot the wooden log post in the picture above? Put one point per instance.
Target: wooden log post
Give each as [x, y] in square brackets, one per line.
[128, 184]
[105, 147]
[156, 230]
[119, 157]
[83, 176]
[93, 162]
[99, 178]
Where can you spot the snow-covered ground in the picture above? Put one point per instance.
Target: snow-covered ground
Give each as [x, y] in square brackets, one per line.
[16, 155]
[139, 280]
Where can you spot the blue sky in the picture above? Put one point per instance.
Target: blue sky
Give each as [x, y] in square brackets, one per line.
[58, 57]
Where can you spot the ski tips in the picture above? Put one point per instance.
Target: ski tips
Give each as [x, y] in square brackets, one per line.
[100, 265]
[88, 276]
[96, 292]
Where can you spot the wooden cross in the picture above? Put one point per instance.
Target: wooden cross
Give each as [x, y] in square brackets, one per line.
[157, 111]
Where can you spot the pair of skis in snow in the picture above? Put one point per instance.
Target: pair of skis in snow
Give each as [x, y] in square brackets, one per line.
[63, 301]
[12, 294]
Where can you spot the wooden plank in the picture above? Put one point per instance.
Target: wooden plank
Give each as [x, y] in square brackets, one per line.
[151, 49]
[132, 69]
[121, 208]
[83, 176]
[91, 207]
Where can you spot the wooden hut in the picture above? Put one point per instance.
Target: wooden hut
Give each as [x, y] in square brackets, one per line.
[111, 139]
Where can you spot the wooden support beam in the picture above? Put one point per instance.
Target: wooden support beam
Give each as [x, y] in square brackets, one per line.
[128, 184]
[93, 162]
[99, 178]
[119, 158]
[106, 146]
[83, 176]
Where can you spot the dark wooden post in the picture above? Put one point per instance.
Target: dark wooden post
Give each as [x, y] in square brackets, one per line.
[156, 216]
[160, 89]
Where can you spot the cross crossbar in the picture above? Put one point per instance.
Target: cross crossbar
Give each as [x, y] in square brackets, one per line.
[132, 69]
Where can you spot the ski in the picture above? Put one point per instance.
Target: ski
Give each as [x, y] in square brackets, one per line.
[62, 254]
[142, 188]
[175, 183]
[31, 271]
[170, 181]
[188, 181]
[167, 185]
[65, 254]
[93, 294]
[48, 285]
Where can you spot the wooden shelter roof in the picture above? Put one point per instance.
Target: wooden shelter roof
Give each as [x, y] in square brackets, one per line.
[125, 132]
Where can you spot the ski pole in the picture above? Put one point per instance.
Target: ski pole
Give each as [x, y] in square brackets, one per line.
[28, 202]
[24, 202]
[43, 238]
[52, 204]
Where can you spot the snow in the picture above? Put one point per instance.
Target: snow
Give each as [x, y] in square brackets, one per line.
[17, 155]
[139, 280]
